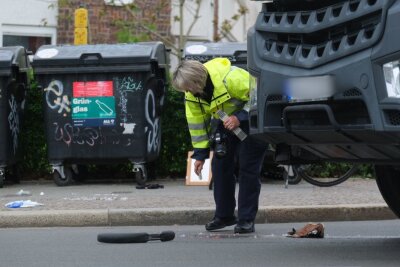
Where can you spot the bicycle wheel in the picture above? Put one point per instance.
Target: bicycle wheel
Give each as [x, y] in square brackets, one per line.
[325, 174]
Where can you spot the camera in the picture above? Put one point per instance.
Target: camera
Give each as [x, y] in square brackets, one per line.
[219, 144]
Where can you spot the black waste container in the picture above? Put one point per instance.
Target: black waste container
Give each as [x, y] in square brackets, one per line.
[102, 104]
[203, 52]
[14, 80]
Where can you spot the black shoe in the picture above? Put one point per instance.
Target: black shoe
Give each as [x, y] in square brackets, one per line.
[219, 223]
[244, 227]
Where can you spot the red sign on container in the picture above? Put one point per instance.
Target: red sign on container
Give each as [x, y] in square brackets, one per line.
[92, 89]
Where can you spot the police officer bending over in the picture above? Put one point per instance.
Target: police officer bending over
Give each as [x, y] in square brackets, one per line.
[209, 88]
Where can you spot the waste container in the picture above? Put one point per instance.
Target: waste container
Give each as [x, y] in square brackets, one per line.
[14, 80]
[236, 52]
[102, 104]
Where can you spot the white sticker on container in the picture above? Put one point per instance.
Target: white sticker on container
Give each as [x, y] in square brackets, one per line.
[196, 49]
[47, 53]
[128, 128]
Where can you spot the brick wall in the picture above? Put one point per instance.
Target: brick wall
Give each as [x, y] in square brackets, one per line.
[103, 18]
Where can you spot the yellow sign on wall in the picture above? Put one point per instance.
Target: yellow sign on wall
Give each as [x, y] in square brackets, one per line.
[81, 26]
[81, 18]
[81, 36]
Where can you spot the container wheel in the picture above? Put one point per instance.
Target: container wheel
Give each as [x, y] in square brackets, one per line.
[387, 178]
[15, 174]
[140, 177]
[67, 180]
[81, 173]
[2, 177]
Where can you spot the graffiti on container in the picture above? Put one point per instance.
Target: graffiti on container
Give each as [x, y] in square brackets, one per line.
[129, 84]
[13, 121]
[123, 101]
[124, 86]
[87, 136]
[116, 139]
[154, 135]
[55, 98]
[90, 136]
[70, 134]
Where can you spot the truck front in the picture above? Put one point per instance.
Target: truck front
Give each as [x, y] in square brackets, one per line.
[326, 83]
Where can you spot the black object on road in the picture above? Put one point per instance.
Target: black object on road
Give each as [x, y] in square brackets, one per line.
[150, 186]
[135, 237]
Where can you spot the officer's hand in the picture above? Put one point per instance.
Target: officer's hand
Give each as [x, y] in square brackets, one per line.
[198, 166]
[231, 123]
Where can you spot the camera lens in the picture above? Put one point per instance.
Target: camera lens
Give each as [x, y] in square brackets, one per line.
[220, 150]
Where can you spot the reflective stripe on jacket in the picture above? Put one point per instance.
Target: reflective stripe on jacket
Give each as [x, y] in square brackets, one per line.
[231, 92]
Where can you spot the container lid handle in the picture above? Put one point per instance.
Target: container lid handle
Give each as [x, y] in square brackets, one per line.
[91, 57]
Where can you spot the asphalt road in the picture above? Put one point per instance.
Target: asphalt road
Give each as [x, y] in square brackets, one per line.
[362, 243]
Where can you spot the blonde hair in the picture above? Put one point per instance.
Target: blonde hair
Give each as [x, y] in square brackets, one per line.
[190, 76]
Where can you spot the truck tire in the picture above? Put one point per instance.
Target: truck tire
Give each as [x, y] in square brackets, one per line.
[388, 180]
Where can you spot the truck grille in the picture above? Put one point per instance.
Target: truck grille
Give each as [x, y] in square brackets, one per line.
[312, 37]
[392, 117]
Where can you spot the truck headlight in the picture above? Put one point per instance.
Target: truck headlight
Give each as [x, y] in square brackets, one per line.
[253, 92]
[391, 72]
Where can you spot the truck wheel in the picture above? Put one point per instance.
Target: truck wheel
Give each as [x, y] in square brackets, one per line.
[63, 181]
[388, 180]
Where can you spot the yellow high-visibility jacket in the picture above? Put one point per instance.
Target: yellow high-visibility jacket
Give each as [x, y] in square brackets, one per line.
[231, 92]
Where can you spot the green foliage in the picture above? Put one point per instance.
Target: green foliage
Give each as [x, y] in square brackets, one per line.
[125, 36]
[32, 139]
[175, 137]
[366, 171]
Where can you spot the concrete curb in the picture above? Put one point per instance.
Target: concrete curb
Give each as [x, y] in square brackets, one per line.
[325, 213]
[188, 216]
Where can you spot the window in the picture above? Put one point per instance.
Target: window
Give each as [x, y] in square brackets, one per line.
[31, 43]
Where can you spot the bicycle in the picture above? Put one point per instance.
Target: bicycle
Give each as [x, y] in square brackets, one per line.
[314, 173]
[311, 173]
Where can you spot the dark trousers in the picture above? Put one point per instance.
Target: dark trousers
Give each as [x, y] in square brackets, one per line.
[250, 155]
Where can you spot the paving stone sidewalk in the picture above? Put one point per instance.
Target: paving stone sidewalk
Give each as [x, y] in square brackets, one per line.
[121, 203]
